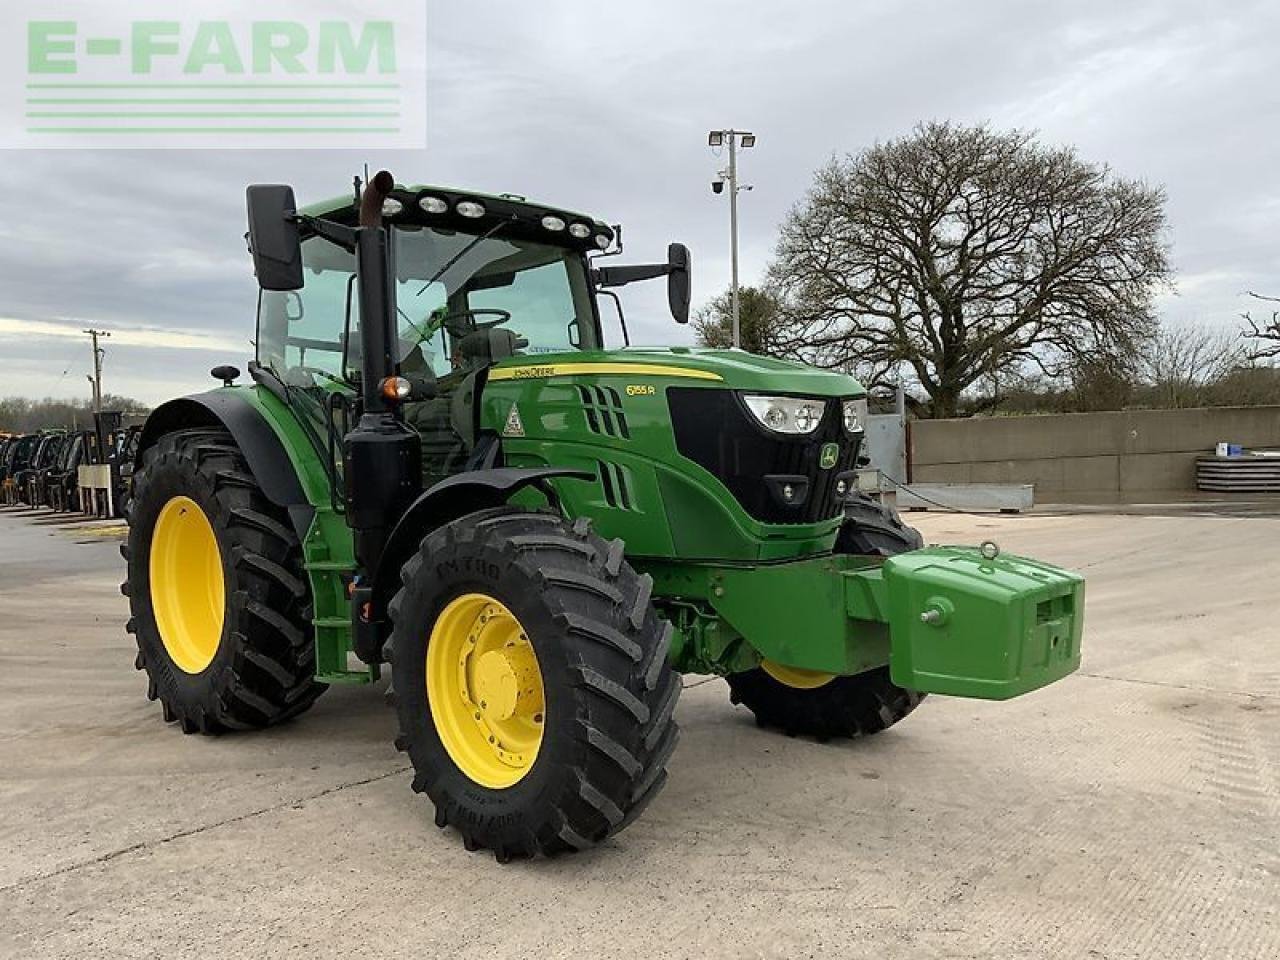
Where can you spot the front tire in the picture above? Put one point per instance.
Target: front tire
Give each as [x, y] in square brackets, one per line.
[531, 682]
[823, 705]
[219, 602]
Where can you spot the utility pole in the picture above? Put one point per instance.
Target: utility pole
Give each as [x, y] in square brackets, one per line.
[97, 368]
[716, 138]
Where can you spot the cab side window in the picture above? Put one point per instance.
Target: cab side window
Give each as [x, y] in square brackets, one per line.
[302, 333]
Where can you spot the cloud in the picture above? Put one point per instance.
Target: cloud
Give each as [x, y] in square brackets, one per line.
[609, 114]
[13, 328]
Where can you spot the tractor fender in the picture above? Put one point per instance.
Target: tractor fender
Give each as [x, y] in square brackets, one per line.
[266, 455]
[446, 501]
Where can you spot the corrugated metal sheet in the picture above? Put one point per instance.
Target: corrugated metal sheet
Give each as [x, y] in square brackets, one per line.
[1242, 474]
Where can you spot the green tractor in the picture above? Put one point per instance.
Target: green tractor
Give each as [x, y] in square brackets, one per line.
[440, 470]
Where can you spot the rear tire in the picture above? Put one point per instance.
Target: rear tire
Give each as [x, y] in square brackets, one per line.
[843, 707]
[872, 529]
[257, 668]
[823, 707]
[605, 697]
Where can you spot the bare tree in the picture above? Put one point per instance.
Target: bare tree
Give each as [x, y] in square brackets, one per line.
[23, 414]
[758, 320]
[1181, 363]
[1102, 382]
[1265, 334]
[960, 253]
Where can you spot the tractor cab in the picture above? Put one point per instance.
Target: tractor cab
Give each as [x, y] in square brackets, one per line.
[477, 279]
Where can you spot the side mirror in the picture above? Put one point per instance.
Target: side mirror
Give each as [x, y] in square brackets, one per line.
[678, 292]
[273, 237]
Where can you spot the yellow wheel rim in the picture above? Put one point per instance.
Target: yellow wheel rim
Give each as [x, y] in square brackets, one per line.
[796, 677]
[188, 594]
[485, 690]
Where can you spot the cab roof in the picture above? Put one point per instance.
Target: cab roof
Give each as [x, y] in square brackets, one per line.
[487, 211]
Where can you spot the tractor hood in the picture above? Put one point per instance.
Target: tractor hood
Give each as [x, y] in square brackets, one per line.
[734, 369]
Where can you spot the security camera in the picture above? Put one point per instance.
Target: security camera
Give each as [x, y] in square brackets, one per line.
[717, 186]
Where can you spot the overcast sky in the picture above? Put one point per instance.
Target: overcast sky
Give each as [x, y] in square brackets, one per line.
[605, 108]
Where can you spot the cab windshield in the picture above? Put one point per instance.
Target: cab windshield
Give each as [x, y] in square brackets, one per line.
[450, 285]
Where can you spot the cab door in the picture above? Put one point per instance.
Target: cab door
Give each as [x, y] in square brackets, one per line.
[309, 340]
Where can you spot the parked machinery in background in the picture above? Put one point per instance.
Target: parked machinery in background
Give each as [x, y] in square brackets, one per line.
[48, 459]
[62, 481]
[28, 483]
[88, 470]
[124, 448]
[7, 443]
[18, 457]
[105, 476]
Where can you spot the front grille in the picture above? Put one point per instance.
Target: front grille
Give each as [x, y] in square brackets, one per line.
[715, 430]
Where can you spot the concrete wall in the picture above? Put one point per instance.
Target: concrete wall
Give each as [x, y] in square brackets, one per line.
[1095, 455]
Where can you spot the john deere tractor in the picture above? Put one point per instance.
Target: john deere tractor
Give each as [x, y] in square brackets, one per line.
[440, 469]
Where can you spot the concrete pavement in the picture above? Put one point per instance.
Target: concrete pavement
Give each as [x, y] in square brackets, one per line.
[1132, 810]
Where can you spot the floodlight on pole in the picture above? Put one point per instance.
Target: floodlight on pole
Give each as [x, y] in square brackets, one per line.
[716, 138]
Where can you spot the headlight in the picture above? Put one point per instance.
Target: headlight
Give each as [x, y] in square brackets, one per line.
[855, 415]
[796, 415]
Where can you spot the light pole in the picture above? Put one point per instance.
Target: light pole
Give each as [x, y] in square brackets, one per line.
[716, 138]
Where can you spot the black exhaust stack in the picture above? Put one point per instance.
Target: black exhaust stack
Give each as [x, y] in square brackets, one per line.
[382, 456]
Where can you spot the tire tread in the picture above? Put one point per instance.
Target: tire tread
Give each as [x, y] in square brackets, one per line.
[622, 687]
[270, 676]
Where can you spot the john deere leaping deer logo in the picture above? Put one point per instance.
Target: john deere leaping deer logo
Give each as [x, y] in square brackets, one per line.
[830, 454]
